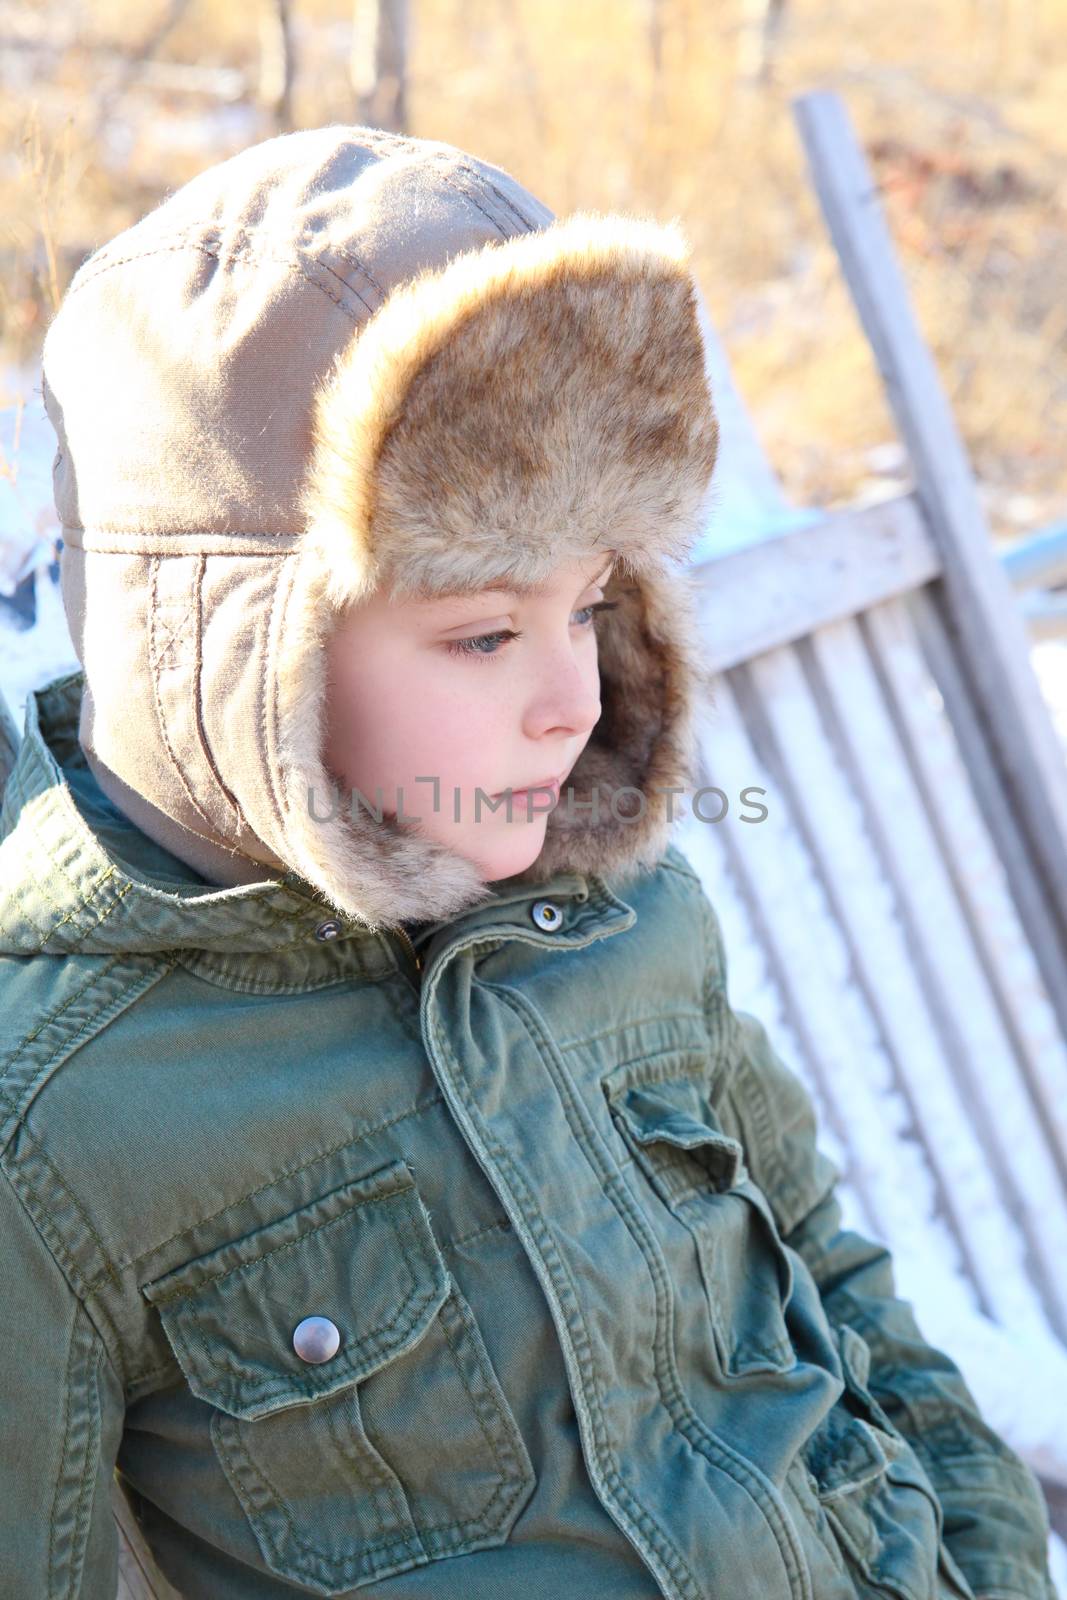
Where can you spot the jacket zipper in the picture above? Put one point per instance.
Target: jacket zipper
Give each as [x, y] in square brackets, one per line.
[406, 937]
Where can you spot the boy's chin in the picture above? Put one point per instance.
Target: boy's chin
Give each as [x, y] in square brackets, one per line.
[511, 854]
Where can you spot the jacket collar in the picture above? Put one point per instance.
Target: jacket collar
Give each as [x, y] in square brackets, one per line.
[76, 876]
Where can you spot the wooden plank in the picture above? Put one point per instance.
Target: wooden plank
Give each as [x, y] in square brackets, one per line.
[1038, 561]
[139, 1577]
[980, 874]
[816, 783]
[811, 961]
[916, 836]
[1017, 1371]
[986, 627]
[771, 593]
[1033, 896]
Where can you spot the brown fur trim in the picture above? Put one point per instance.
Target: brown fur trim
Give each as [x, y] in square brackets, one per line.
[515, 409]
[651, 684]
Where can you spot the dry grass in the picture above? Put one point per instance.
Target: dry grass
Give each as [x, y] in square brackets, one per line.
[958, 107]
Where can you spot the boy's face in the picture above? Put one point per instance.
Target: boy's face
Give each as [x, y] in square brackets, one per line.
[437, 689]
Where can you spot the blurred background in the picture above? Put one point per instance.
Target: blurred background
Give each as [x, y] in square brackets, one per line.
[674, 107]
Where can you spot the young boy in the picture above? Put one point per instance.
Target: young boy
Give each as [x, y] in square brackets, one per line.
[390, 1191]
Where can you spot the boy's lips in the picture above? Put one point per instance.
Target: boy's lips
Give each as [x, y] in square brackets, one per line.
[552, 783]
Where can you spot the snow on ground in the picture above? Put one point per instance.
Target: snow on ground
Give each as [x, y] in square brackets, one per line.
[1049, 658]
[29, 529]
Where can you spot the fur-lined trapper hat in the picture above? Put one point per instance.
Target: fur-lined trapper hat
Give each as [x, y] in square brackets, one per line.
[341, 361]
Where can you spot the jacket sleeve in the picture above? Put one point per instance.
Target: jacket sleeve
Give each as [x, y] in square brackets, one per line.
[996, 1523]
[62, 1406]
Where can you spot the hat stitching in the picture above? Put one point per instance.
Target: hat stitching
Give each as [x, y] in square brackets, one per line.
[171, 547]
[270, 741]
[198, 699]
[322, 262]
[209, 838]
[527, 222]
[468, 192]
[244, 254]
[170, 632]
[340, 250]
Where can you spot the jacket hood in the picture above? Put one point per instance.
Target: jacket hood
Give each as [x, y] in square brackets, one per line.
[346, 361]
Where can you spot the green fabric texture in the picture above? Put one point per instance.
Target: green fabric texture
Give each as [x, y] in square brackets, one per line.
[601, 1330]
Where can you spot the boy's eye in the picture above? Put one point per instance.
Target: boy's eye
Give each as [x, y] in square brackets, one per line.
[480, 643]
[473, 646]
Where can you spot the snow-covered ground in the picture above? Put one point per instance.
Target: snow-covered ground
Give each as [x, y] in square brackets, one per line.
[29, 529]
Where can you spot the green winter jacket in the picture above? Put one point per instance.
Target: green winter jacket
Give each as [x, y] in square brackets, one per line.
[601, 1330]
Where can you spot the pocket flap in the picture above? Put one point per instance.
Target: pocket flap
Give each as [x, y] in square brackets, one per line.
[845, 1454]
[673, 1112]
[363, 1255]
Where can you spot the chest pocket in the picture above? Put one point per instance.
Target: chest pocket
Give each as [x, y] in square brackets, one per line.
[397, 1450]
[698, 1171]
[879, 1504]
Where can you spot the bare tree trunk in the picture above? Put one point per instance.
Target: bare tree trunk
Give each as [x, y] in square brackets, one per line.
[379, 62]
[135, 61]
[1018, 41]
[653, 16]
[761, 22]
[527, 72]
[277, 62]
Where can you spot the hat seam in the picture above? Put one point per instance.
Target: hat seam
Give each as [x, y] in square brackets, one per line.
[271, 737]
[237, 815]
[161, 720]
[322, 262]
[340, 250]
[469, 193]
[291, 540]
[510, 205]
[245, 253]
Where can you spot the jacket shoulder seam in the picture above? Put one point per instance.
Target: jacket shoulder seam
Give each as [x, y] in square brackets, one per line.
[676, 862]
[61, 1032]
[37, 1150]
[42, 1225]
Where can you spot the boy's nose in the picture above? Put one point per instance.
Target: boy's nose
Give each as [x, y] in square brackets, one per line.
[568, 704]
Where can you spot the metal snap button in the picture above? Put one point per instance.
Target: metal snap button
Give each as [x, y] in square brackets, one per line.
[546, 915]
[316, 1339]
[328, 929]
